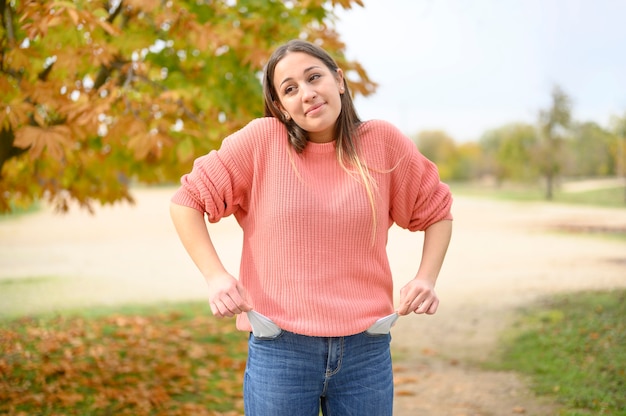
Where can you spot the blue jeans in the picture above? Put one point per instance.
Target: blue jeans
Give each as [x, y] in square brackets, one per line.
[297, 375]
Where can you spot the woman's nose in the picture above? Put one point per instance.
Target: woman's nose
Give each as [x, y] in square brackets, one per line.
[308, 93]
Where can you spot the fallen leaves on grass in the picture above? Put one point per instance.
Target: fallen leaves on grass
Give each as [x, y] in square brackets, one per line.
[166, 364]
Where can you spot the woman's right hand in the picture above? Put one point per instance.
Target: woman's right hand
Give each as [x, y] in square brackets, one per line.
[227, 297]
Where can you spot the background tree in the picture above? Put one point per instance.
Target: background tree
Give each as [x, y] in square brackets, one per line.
[619, 149]
[589, 151]
[553, 127]
[509, 151]
[437, 146]
[469, 163]
[97, 94]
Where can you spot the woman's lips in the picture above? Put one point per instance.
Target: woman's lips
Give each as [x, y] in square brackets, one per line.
[314, 110]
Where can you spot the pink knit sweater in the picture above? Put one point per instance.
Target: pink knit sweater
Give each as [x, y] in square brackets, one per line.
[308, 260]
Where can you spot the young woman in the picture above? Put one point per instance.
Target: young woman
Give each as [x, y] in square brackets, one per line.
[315, 191]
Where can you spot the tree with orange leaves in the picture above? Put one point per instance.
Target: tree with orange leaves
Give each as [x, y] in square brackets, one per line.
[96, 95]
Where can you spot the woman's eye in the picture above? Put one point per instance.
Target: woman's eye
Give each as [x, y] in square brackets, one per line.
[289, 90]
[314, 77]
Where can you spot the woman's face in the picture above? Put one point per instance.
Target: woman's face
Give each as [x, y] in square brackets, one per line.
[309, 93]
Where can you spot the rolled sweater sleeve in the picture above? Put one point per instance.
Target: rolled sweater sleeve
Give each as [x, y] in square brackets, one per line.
[420, 199]
[217, 184]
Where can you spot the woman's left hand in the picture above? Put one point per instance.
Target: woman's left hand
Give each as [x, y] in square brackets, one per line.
[418, 296]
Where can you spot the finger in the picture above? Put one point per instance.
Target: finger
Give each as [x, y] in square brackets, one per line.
[406, 300]
[403, 308]
[231, 306]
[428, 307]
[214, 309]
[218, 309]
[234, 304]
[433, 307]
[241, 297]
[420, 306]
[222, 310]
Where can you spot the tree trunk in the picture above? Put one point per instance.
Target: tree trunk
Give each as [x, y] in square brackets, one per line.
[549, 186]
[7, 150]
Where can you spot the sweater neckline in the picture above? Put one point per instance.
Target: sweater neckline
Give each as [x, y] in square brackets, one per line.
[312, 147]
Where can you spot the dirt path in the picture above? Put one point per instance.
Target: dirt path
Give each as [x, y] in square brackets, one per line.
[503, 256]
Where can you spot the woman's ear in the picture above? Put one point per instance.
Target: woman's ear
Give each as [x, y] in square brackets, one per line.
[284, 114]
[340, 81]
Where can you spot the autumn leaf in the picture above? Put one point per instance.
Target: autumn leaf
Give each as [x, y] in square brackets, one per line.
[70, 9]
[19, 58]
[108, 28]
[165, 364]
[54, 139]
[15, 114]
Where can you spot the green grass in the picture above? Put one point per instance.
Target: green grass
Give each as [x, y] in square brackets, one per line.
[610, 197]
[573, 347]
[26, 281]
[162, 360]
[23, 296]
[18, 211]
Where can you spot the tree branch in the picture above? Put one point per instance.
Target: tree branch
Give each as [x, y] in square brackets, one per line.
[7, 20]
[7, 150]
[115, 12]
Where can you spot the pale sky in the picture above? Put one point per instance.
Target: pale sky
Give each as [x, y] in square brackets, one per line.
[466, 66]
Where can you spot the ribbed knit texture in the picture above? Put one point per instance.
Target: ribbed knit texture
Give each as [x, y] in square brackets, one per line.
[308, 260]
